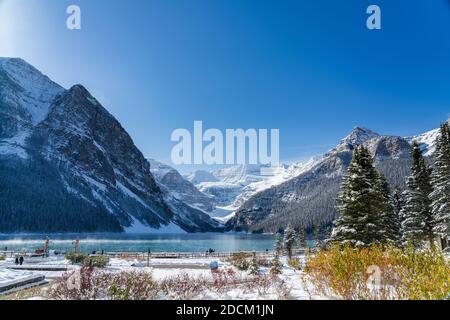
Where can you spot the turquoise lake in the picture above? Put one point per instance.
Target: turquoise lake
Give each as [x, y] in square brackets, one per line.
[221, 242]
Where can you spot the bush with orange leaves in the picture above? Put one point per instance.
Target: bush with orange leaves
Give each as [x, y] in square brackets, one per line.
[378, 273]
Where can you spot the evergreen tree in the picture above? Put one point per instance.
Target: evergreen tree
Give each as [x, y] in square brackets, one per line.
[397, 202]
[360, 203]
[390, 222]
[317, 235]
[276, 263]
[278, 243]
[254, 266]
[302, 238]
[289, 240]
[440, 179]
[417, 219]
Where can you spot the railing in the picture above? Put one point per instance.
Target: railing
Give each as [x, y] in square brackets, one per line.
[176, 255]
[7, 253]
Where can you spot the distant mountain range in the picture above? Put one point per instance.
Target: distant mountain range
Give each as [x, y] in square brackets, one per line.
[67, 165]
[309, 198]
[234, 185]
[304, 194]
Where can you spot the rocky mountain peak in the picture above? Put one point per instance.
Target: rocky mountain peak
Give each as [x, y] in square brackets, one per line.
[27, 92]
[359, 135]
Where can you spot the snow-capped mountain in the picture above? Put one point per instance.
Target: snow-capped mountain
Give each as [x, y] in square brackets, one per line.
[26, 96]
[426, 141]
[232, 186]
[226, 184]
[309, 198]
[68, 165]
[171, 180]
[200, 176]
[356, 137]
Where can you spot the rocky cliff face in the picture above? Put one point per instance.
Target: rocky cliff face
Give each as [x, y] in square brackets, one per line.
[180, 188]
[65, 147]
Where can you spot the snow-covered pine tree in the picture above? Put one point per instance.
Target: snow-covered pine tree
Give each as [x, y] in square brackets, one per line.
[301, 238]
[417, 219]
[317, 235]
[360, 203]
[278, 243]
[390, 221]
[397, 202]
[289, 239]
[276, 263]
[254, 266]
[440, 180]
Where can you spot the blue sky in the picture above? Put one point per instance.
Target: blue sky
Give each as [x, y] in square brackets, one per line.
[310, 68]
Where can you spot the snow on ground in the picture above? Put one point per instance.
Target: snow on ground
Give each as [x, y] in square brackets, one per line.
[8, 277]
[55, 261]
[15, 145]
[223, 214]
[167, 268]
[196, 267]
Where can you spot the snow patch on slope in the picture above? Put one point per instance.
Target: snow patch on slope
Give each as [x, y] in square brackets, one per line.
[138, 227]
[426, 140]
[14, 145]
[235, 185]
[38, 91]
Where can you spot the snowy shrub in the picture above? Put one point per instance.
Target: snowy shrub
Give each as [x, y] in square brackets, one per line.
[183, 286]
[295, 263]
[282, 290]
[2, 257]
[254, 266]
[276, 265]
[76, 257]
[95, 261]
[262, 283]
[264, 262]
[379, 273]
[92, 284]
[132, 286]
[240, 261]
[85, 284]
